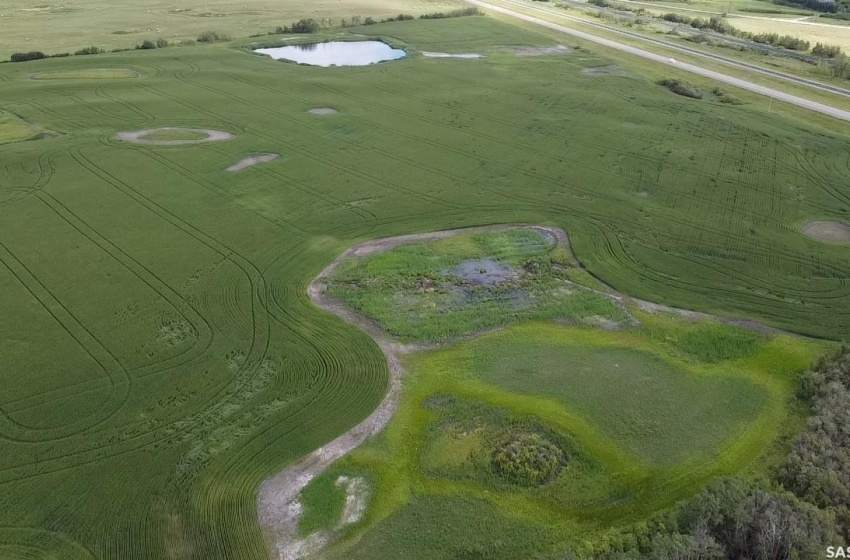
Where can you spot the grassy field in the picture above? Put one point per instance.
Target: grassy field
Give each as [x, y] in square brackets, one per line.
[66, 26]
[92, 74]
[467, 283]
[640, 427]
[822, 31]
[758, 16]
[160, 354]
[15, 129]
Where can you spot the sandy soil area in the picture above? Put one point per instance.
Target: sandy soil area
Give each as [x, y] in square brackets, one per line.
[830, 232]
[541, 51]
[603, 71]
[427, 54]
[323, 111]
[251, 161]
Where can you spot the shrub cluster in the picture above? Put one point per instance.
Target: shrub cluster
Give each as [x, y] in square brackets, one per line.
[724, 97]
[88, 50]
[682, 88]
[463, 12]
[818, 467]
[826, 51]
[147, 44]
[212, 37]
[719, 25]
[528, 460]
[23, 57]
[304, 25]
[841, 66]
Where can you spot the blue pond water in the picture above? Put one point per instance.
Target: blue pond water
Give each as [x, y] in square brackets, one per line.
[336, 53]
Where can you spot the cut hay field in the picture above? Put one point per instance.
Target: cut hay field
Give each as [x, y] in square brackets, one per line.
[67, 26]
[160, 355]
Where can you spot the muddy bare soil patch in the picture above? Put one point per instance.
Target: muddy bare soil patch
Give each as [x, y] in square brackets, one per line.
[483, 272]
[829, 232]
[323, 111]
[251, 161]
[605, 71]
[541, 51]
[143, 136]
[468, 56]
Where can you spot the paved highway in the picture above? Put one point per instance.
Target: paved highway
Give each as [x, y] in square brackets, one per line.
[666, 60]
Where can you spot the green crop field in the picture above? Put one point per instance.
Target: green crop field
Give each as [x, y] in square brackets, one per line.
[161, 357]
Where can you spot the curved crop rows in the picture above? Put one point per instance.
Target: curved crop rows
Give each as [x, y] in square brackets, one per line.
[161, 356]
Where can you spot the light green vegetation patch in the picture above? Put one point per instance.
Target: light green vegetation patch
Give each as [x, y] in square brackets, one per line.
[15, 129]
[703, 341]
[449, 528]
[171, 134]
[323, 502]
[466, 440]
[87, 74]
[135, 437]
[645, 403]
[466, 283]
[640, 426]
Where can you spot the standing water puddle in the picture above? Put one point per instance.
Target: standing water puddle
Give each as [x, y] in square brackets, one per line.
[336, 53]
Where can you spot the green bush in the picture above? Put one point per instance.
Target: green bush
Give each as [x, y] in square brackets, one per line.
[682, 87]
[724, 97]
[212, 37]
[23, 57]
[88, 50]
[463, 12]
[528, 460]
[826, 51]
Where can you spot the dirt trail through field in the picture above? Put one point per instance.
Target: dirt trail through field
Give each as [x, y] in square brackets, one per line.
[278, 503]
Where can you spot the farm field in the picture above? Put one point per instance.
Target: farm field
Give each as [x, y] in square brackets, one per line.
[757, 16]
[67, 26]
[161, 357]
[820, 31]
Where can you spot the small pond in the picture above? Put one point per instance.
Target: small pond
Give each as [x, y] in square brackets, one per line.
[336, 53]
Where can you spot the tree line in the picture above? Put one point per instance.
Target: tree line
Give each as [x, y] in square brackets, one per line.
[796, 512]
[720, 25]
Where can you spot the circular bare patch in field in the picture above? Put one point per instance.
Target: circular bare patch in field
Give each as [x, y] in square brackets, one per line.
[251, 161]
[323, 111]
[174, 136]
[830, 232]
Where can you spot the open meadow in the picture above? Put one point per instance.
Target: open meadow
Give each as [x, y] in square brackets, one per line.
[69, 25]
[161, 357]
